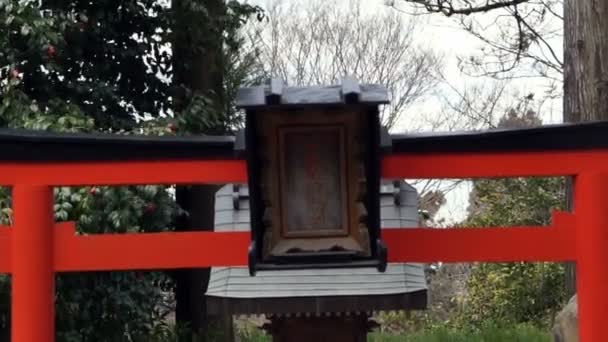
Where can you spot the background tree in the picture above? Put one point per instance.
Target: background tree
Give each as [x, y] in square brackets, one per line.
[198, 77]
[471, 295]
[524, 39]
[515, 292]
[585, 68]
[582, 64]
[585, 83]
[101, 57]
[327, 40]
[208, 67]
[90, 66]
[520, 37]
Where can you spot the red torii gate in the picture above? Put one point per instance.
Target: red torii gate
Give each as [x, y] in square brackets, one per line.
[35, 248]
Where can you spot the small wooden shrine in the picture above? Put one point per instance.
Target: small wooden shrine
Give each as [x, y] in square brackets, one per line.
[315, 205]
[313, 161]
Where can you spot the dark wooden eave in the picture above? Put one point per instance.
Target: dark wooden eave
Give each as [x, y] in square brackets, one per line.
[41, 146]
[581, 136]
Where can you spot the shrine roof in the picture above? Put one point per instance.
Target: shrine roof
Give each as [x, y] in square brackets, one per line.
[350, 91]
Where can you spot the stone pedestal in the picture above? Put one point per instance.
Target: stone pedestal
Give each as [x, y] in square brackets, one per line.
[352, 328]
[566, 323]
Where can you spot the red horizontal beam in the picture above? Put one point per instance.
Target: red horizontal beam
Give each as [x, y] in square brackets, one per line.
[139, 251]
[148, 250]
[552, 243]
[121, 173]
[472, 165]
[493, 165]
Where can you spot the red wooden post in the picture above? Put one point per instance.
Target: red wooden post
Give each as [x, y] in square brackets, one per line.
[33, 288]
[592, 239]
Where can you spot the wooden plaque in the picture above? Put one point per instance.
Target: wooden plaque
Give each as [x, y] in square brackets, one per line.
[313, 181]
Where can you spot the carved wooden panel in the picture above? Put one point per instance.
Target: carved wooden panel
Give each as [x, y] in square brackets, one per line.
[313, 181]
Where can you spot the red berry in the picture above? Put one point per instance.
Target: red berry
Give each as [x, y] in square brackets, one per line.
[150, 208]
[51, 51]
[14, 74]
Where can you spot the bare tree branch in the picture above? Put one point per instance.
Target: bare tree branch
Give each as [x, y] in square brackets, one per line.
[519, 36]
[559, 63]
[447, 7]
[308, 43]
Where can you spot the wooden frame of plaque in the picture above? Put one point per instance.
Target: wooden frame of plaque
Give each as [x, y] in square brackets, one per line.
[312, 182]
[313, 189]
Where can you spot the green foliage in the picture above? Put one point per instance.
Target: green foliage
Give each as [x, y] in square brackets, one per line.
[168, 333]
[173, 333]
[84, 66]
[486, 333]
[106, 306]
[255, 337]
[105, 57]
[515, 292]
[249, 332]
[515, 201]
[198, 32]
[28, 47]
[17, 110]
[111, 61]
[110, 306]
[97, 306]
[400, 322]
[191, 120]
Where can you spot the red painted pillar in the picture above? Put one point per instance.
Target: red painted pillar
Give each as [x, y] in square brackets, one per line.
[33, 279]
[591, 209]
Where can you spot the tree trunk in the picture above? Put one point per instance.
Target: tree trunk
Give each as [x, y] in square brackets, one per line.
[191, 284]
[570, 267]
[197, 63]
[585, 74]
[586, 67]
[572, 113]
